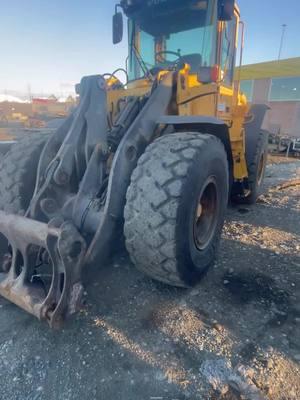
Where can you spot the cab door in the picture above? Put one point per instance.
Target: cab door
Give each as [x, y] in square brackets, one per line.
[227, 57]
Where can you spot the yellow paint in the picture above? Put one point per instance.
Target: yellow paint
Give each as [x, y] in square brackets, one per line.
[194, 98]
[19, 117]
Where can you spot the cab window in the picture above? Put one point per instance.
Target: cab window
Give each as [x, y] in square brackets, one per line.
[228, 44]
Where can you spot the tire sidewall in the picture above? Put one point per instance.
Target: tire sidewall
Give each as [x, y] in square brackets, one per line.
[256, 184]
[192, 262]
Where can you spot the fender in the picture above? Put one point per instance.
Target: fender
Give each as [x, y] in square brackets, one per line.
[253, 128]
[202, 124]
[189, 121]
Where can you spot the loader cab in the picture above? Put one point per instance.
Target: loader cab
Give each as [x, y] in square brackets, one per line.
[166, 35]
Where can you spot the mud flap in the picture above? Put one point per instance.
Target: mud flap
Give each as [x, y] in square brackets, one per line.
[31, 244]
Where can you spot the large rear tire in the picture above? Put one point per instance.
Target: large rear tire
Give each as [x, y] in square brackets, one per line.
[256, 156]
[175, 207]
[18, 170]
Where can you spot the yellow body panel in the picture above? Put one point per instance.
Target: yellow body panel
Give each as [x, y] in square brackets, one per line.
[193, 98]
[222, 102]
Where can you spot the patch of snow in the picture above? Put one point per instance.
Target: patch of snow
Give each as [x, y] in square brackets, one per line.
[11, 99]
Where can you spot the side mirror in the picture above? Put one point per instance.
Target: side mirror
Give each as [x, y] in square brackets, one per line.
[225, 10]
[117, 28]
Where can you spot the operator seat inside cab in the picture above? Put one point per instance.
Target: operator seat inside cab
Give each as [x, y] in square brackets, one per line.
[194, 61]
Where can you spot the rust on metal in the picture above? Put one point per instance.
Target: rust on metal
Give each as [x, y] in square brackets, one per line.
[65, 249]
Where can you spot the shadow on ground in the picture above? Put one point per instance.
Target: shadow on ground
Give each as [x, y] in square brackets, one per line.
[137, 339]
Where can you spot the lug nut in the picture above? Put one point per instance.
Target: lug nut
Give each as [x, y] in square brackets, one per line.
[61, 178]
[48, 206]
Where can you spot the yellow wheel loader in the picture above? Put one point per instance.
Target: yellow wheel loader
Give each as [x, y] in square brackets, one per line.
[153, 159]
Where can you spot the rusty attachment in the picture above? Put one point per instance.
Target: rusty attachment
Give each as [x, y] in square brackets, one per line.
[30, 245]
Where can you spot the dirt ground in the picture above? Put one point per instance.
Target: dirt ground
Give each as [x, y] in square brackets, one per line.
[235, 336]
[4, 135]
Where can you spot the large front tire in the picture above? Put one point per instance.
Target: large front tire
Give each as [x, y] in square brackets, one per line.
[18, 170]
[175, 207]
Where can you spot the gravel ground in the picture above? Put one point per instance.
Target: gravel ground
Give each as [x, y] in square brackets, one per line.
[235, 336]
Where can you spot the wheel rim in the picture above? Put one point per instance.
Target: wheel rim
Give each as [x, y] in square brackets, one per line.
[261, 168]
[206, 215]
[3, 252]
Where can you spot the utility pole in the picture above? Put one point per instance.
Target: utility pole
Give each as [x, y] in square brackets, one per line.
[29, 92]
[284, 26]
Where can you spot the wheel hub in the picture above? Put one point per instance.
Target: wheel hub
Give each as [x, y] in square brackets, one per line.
[206, 215]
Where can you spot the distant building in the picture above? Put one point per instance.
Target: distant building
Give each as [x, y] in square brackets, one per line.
[276, 83]
[52, 107]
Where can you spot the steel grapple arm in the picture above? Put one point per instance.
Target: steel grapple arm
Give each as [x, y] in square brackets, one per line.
[65, 249]
[77, 207]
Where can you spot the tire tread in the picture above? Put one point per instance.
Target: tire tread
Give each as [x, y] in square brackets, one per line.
[153, 198]
[16, 173]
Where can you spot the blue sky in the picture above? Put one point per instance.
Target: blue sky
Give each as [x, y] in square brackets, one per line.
[52, 44]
